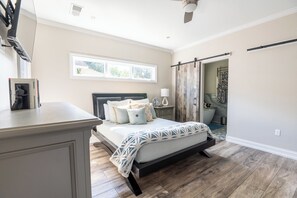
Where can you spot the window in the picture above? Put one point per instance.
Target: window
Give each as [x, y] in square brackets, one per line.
[89, 67]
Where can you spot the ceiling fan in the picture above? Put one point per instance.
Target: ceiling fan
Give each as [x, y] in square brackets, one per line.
[189, 7]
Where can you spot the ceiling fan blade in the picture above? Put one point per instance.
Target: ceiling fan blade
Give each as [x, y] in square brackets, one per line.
[188, 17]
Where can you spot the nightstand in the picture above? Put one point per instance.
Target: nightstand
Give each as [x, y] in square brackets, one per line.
[165, 112]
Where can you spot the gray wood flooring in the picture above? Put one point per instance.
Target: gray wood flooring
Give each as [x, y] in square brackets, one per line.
[233, 171]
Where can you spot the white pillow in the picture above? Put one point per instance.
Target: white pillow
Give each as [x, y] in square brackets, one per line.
[111, 104]
[137, 116]
[146, 100]
[106, 111]
[121, 114]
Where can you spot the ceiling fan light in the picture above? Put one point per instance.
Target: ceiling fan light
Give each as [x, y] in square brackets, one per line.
[190, 7]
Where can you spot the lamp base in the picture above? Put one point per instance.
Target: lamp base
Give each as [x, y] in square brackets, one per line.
[164, 101]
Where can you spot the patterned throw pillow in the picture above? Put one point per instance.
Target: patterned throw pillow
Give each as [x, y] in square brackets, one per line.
[137, 116]
[153, 111]
[145, 101]
[111, 104]
[147, 108]
[121, 115]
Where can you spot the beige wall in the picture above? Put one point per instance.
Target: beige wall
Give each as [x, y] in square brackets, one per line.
[211, 74]
[51, 65]
[262, 84]
[8, 69]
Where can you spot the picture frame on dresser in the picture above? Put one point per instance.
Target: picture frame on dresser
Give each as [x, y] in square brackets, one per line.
[24, 93]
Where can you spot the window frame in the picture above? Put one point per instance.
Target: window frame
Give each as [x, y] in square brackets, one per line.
[110, 78]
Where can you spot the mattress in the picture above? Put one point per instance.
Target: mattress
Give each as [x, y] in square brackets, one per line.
[117, 132]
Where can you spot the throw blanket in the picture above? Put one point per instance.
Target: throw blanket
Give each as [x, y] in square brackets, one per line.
[125, 154]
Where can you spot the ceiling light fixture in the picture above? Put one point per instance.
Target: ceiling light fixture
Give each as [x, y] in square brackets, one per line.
[190, 7]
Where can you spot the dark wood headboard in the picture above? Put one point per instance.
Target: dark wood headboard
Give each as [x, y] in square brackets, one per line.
[101, 98]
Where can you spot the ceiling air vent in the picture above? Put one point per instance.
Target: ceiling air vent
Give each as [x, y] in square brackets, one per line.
[75, 9]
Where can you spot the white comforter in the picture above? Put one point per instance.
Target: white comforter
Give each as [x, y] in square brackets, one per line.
[125, 154]
[117, 132]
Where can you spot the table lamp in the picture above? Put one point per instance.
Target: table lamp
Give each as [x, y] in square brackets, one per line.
[164, 94]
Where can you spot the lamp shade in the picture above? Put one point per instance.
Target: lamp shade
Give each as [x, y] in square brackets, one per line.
[165, 92]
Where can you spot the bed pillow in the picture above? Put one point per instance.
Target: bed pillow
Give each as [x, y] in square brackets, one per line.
[146, 100]
[154, 115]
[121, 115]
[106, 111]
[111, 104]
[147, 109]
[137, 116]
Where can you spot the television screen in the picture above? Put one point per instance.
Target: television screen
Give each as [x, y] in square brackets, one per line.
[21, 35]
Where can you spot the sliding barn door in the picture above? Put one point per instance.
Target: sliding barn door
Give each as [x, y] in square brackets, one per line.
[188, 93]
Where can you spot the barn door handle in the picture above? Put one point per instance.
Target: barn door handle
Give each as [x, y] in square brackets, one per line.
[195, 101]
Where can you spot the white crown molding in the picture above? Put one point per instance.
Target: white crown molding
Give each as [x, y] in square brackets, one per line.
[263, 147]
[99, 34]
[242, 27]
[28, 14]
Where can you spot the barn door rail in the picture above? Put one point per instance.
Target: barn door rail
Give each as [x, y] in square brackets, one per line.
[272, 45]
[201, 59]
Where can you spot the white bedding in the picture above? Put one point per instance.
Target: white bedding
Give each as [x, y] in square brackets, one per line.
[117, 132]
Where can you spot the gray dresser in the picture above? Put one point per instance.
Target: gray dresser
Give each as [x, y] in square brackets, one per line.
[44, 152]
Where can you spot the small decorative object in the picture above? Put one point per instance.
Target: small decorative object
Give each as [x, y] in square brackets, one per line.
[206, 105]
[164, 94]
[24, 93]
[156, 102]
[21, 97]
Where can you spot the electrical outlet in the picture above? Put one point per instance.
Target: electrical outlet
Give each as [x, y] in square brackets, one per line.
[277, 132]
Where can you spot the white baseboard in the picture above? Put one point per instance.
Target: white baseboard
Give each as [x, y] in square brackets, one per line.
[263, 147]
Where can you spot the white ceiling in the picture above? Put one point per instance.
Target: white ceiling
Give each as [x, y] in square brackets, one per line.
[152, 21]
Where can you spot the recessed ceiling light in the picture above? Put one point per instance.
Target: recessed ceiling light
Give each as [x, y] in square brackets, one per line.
[75, 10]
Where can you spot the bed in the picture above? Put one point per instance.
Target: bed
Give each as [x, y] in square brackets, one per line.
[151, 157]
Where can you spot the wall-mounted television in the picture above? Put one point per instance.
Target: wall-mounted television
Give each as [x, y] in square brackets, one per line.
[21, 35]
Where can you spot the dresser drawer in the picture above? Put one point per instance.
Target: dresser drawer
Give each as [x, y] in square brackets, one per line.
[165, 112]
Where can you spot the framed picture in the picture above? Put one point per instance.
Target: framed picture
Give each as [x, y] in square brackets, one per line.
[24, 93]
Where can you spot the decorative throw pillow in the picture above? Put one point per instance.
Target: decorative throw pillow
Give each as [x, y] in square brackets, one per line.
[148, 113]
[137, 116]
[154, 115]
[106, 111]
[111, 104]
[121, 115]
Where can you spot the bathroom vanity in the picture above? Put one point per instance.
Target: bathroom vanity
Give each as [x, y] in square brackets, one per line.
[44, 152]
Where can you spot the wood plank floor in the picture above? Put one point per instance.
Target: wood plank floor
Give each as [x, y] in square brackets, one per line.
[233, 171]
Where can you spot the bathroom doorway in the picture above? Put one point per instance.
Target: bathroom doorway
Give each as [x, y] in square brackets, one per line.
[214, 96]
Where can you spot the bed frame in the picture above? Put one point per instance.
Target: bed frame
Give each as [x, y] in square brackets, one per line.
[142, 169]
